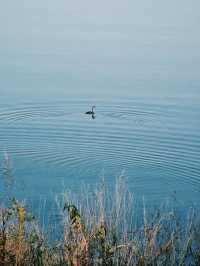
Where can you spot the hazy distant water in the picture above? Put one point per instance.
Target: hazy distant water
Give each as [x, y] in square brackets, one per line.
[137, 61]
[153, 141]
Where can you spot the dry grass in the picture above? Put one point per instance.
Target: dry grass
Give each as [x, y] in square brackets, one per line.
[100, 228]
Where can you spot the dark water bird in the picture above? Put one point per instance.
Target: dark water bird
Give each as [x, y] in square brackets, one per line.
[91, 112]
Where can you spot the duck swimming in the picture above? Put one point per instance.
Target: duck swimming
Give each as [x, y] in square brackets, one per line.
[90, 112]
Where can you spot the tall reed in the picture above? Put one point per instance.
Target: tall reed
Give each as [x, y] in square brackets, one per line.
[101, 227]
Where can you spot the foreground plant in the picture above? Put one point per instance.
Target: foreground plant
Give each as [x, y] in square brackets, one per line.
[101, 229]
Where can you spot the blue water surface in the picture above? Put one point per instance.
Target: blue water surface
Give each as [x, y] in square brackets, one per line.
[52, 145]
[138, 62]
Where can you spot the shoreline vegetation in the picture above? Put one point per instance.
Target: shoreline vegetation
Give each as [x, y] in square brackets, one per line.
[100, 228]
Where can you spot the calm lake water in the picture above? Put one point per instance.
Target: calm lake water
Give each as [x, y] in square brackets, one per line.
[137, 61]
[153, 141]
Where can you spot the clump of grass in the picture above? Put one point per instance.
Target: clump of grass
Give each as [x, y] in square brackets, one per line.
[12, 234]
[7, 172]
[100, 228]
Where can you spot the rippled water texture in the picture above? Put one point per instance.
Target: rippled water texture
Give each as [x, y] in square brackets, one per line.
[155, 143]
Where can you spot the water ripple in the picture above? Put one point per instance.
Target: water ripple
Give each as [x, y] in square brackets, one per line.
[157, 144]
